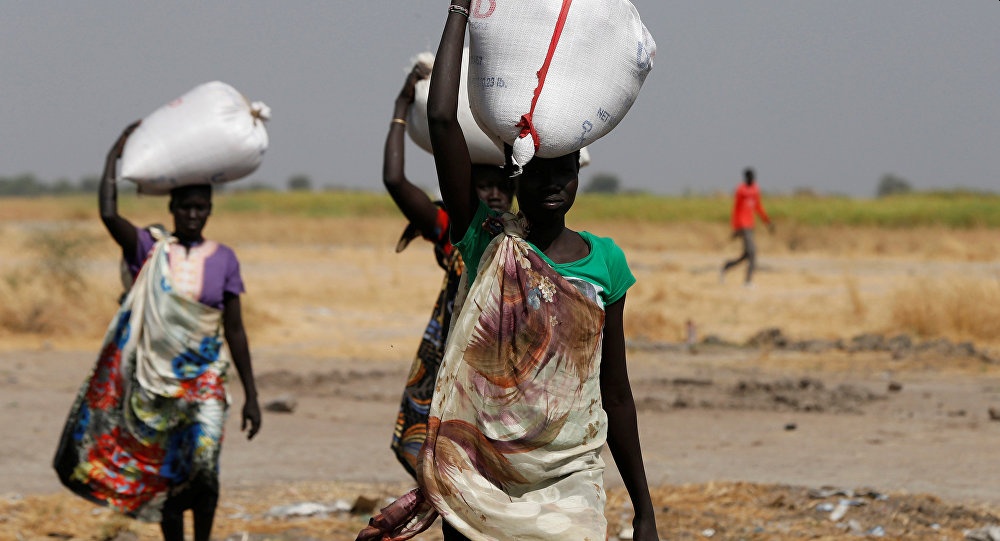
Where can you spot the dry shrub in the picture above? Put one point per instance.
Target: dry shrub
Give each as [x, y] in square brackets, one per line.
[47, 290]
[858, 307]
[657, 307]
[955, 307]
[28, 306]
[652, 325]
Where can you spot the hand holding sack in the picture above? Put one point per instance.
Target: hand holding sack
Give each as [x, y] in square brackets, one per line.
[549, 77]
[210, 135]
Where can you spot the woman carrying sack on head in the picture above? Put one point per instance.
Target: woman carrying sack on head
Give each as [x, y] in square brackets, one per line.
[533, 381]
[144, 434]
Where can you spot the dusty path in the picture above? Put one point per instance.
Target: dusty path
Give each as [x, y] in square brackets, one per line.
[725, 415]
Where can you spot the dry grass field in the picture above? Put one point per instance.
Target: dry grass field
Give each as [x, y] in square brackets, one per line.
[333, 317]
[329, 276]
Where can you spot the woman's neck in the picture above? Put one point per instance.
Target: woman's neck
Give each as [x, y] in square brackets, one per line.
[189, 241]
[558, 242]
[547, 240]
[543, 233]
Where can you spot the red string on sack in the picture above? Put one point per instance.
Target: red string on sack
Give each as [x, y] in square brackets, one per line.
[526, 125]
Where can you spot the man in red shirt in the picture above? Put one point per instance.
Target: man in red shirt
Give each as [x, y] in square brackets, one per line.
[746, 204]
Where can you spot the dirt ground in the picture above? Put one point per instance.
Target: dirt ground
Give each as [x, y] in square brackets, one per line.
[723, 425]
[739, 442]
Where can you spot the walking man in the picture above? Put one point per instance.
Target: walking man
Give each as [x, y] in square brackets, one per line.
[746, 204]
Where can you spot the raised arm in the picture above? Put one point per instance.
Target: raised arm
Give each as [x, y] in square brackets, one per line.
[411, 200]
[623, 429]
[451, 153]
[236, 338]
[121, 229]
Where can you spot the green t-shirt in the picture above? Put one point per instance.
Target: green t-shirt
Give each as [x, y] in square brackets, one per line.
[604, 267]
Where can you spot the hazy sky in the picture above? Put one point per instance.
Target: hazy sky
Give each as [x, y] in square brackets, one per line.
[827, 95]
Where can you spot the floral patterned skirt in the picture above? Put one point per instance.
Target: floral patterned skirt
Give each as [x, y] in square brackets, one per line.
[411, 423]
[147, 423]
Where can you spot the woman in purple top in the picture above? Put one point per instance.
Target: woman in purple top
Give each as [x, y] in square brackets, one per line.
[208, 271]
[145, 432]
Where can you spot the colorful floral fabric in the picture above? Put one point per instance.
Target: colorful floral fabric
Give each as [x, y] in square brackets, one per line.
[148, 421]
[411, 423]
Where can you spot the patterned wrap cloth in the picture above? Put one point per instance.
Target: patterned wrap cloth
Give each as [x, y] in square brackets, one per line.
[411, 422]
[516, 426]
[147, 423]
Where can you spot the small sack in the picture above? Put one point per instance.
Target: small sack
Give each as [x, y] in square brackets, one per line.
[210, 135]
[549, 77]
[482, 148]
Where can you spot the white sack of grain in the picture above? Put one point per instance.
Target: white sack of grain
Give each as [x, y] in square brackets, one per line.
[585, 86]
[482, 148]
[210, 135]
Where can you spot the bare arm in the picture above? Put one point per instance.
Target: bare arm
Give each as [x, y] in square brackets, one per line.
[451, 152]
[759, 207]
[411, 200]
[623, 430]
[121, 229]
[236, 338]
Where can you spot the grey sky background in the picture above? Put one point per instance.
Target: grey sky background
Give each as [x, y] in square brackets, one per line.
[821, 95]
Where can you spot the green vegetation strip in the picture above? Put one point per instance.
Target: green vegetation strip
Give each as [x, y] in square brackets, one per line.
[956, 210]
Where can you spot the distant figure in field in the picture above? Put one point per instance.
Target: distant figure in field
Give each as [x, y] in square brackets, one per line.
[746, 203]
